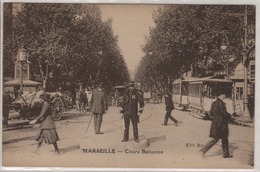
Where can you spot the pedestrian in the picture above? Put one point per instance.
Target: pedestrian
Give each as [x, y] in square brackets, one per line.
[219, 126]
[7, 100]
[169, 108]
[98, 106]
[77, 99]
[89, 95]
[85, 99]
[82, 100]
[73, 94]
[48, 133]
[129, 109]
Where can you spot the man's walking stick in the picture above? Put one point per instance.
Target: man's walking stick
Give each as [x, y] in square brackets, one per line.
[89, 122]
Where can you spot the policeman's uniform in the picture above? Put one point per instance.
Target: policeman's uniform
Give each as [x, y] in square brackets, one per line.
[129, 106]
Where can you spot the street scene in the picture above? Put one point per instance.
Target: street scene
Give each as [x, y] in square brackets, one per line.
[179, 145]
[128, 86]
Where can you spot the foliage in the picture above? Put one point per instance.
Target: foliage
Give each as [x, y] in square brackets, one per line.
[69, 39]
[188, 37]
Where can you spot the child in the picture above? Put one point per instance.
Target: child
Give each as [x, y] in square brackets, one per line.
[48, 133]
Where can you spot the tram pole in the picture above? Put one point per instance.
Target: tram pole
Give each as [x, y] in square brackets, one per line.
[246, 114]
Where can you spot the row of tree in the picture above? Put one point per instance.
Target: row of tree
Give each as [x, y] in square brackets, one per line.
[64, 39]
[188, 38]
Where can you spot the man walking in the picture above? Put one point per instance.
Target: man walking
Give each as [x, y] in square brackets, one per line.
[219, 126]
[98, 106]
[129, 107]
[169, 108]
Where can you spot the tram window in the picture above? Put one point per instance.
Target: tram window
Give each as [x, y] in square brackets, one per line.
[223, 87]
[185, 89]
[195, 90]
[176, 89]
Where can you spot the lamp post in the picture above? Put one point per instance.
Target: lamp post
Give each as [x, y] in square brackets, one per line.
[225, 47]
[100, 53]
[246, 114]
[22, 58]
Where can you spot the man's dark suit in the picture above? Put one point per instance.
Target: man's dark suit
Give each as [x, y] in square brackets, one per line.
[130, 102]
[219, 127]
[169, 108]
[98, 106]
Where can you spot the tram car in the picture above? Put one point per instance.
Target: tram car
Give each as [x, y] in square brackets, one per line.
[202, 93]
[180, 93]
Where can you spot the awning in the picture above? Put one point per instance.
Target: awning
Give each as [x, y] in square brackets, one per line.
[25, 82]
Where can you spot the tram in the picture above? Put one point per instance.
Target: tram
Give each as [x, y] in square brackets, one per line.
[197, 94]
[202, 93]
[180, 93]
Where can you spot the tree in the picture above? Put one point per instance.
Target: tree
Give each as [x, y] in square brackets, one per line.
[189, 37]
[69, 39]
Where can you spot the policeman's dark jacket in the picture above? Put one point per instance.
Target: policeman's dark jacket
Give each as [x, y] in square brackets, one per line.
[130, 102]
[219, 126]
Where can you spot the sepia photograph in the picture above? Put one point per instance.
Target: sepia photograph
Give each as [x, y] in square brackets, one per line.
[128, 86]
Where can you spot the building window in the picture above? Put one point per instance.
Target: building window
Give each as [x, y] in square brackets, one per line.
[239, 93]
[25, 71]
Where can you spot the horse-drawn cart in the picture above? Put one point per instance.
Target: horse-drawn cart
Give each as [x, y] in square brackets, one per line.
[29, 106]
[117, 95]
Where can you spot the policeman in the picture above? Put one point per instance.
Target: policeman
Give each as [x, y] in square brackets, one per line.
[130, 111]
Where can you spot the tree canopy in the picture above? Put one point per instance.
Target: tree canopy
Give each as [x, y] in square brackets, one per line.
[189, 37]
[67, 39]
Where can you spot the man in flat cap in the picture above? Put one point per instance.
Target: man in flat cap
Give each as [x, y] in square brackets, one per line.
[130, 110]
[219, 126]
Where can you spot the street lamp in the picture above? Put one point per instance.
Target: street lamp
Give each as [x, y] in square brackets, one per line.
[22, 58]
[100, 53]
[225, 47]
[246, 114]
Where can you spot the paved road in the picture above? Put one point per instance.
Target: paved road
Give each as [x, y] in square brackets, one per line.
[169, 146]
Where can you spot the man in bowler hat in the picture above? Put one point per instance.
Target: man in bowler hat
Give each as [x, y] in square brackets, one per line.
[130, 111]
[98, 106]
[219, 126]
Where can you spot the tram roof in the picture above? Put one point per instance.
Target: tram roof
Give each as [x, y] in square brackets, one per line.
[211, 79]
[187, 79]
[204, 79]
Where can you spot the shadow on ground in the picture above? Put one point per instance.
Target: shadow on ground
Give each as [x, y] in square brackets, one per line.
[156, 139]
[68, 116]
[69, 149]
[19, 139]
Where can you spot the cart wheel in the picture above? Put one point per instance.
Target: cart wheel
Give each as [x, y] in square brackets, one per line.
[58, 108]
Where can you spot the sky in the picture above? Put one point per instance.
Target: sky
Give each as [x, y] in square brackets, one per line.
[131, 23]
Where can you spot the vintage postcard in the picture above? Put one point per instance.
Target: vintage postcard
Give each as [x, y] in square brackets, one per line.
[157, 86]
